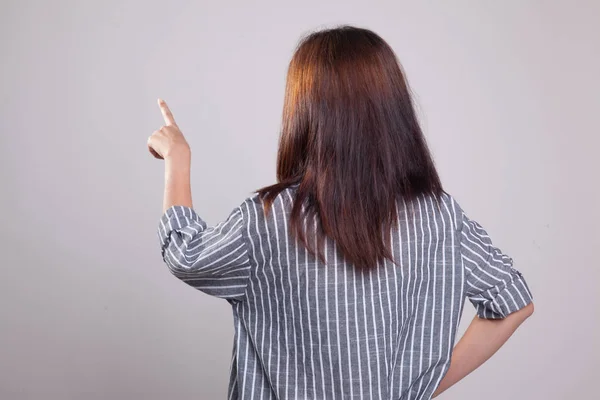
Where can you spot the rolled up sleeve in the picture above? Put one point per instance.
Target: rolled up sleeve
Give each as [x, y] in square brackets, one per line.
[211, 259]
[493, 285]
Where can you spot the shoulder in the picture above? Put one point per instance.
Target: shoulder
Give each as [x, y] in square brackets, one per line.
[250, 206]
[253, 207]
[445, 207]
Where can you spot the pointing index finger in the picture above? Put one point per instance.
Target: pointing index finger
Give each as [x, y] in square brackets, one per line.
[167, 115]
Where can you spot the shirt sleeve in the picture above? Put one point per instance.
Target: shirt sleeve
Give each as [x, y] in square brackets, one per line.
[211, 259]
[493, 285]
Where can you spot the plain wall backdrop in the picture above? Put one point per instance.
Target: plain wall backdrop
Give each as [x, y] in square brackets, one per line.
[508, 94]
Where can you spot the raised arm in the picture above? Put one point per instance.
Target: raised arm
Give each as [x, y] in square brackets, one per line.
[211, 259]
[169, 144]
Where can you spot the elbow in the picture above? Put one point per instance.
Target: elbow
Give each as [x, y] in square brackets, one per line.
[522, 314]
[528, 310]
[175, 259]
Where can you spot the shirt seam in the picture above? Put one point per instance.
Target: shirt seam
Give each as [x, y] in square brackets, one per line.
[245, 240]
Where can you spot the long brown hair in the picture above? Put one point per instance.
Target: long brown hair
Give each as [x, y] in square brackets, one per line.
[351, 141]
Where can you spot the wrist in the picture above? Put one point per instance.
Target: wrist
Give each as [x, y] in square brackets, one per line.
[179, 158]
[179, 153]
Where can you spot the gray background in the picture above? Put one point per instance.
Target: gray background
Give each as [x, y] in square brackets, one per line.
[508, 95]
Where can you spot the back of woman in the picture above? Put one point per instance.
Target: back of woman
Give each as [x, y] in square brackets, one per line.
[347, 277]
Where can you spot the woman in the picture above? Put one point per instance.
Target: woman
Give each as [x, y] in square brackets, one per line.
[347, 277]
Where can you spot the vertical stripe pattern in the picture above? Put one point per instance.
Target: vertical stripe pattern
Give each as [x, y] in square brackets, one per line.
[305, 329]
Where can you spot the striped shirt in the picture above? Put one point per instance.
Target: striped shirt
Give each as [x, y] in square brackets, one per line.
[305, 329]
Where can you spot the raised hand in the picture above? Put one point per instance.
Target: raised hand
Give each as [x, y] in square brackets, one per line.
[168, 140]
